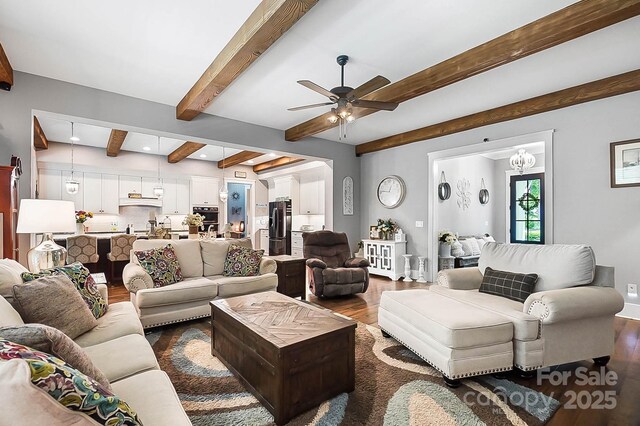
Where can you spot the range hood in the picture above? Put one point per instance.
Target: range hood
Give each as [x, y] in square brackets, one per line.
[149, 202]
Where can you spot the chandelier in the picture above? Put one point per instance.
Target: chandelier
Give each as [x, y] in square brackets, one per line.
[342, 115]
[522, 161]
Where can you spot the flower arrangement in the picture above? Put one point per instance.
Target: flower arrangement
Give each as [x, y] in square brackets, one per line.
[387, 227]
[193, 220]
[82, 216]
[447, 237]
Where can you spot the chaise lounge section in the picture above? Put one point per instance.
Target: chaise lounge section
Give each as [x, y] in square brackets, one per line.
[456, 328]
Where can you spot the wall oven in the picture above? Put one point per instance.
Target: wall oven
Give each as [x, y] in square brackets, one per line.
[210, 215]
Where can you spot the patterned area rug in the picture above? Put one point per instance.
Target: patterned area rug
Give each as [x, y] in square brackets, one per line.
[393, 387]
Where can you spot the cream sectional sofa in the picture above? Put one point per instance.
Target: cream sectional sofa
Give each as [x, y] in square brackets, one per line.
[117, 346]
[463, 332]
[202, 264]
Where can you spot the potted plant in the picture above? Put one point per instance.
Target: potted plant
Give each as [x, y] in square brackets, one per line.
[194, 221]
[81, 217]
[446, 238]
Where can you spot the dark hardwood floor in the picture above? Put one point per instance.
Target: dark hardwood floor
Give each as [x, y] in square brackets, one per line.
[625, 361]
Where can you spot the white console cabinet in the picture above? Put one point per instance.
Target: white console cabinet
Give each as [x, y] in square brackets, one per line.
[385, 257]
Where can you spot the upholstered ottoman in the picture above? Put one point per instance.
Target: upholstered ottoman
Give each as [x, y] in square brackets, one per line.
[457, 339]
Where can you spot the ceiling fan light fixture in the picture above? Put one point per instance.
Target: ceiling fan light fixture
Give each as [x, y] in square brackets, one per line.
[351, 118]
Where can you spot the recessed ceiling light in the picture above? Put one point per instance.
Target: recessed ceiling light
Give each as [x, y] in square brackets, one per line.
[272, 155]
[250, 161]
[203, 155]
[146, 148]
[74, 139]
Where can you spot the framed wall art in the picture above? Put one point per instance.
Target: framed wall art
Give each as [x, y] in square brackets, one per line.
[374, 234]
[347, 196]
[625, 163]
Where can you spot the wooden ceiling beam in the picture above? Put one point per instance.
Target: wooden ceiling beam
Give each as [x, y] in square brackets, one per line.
[238, 158]
[270, 20]
[40, 140]
[184, 150]
[6, 72]
[573, 21]
[611, 86]
[116, 139]
[278, 162]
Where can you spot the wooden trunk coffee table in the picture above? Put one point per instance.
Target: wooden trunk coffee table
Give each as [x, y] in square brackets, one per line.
[291, 355]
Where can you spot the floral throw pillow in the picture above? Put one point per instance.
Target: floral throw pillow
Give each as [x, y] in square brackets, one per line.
[71, 388]
[84, 282]
[162, 264]
[242, 262]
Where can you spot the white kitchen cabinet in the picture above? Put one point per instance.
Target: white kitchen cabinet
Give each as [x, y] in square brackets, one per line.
[296, 244]
[204, 191]
[311, 194]
[110, 199]
[130, 184]
[101, 193]
[288, 187]
[385, 257]
[148, 184]
[77, 198]
[93, 192]
[50, 184]
[264, 240]
[176, 196]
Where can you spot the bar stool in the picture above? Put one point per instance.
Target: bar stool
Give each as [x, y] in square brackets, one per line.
[121, 246]
[83, 249]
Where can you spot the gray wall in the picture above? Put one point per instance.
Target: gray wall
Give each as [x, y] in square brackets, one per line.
[32, 92]
[478, 218]
[587, 210]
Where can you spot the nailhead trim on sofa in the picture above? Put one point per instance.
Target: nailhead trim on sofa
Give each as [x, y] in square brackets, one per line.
[457, 376]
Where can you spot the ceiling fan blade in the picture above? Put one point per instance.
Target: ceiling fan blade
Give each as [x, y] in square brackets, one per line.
[311, 85]
[310, 106]
[387, 106]
[374, 84]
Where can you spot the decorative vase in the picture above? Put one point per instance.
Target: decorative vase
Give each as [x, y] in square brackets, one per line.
[193, 229]
[79, 228]
[360, 253]
[445, 250]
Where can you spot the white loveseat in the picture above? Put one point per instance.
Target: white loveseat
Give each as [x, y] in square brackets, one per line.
[118, 348]
[463, 332]
[202, 265]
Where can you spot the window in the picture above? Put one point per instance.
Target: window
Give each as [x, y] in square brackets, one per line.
[527, 209]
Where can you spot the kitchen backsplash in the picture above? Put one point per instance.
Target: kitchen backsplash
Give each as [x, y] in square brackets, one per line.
[136, 215]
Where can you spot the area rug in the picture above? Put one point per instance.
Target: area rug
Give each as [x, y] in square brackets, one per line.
[393, 387]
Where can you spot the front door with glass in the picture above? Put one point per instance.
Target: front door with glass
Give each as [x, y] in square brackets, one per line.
[527, 209]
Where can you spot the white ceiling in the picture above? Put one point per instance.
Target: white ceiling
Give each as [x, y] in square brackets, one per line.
[156, 50]
[96, 136]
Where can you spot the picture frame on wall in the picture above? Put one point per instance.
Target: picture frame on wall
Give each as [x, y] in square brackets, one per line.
[374, 234]
[625, 163]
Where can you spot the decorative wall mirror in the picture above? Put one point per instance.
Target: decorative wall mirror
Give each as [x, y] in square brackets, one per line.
[444, 189]
[483, 196]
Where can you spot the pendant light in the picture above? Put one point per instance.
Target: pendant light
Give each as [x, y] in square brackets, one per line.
[224, 193]
[158, 190]
[72, 186]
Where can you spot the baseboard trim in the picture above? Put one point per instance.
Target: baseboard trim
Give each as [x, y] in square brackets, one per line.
[631, 311]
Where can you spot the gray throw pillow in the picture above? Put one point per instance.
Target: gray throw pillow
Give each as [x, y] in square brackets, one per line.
[511, 285]
[54, 342]
[54, 301]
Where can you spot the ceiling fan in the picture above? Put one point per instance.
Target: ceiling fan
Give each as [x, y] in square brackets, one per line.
[346, 98]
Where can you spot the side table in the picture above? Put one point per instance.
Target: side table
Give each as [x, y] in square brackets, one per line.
[445, 262]
[291, 275]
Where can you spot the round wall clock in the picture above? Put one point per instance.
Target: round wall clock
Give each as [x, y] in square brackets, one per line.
[391, 191]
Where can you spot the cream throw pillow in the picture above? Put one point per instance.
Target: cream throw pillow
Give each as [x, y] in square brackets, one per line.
[470, 247]
[10, 271]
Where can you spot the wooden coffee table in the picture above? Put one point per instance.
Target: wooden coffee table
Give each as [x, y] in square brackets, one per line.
[291, 355]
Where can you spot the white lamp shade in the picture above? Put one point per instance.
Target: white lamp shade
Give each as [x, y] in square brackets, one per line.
[40, 216]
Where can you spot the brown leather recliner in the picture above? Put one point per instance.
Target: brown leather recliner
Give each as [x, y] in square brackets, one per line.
[332, 270]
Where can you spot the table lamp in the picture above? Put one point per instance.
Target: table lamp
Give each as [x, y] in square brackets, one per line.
[45, 217]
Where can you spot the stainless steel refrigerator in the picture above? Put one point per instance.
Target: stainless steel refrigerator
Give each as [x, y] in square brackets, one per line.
[279, 228]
